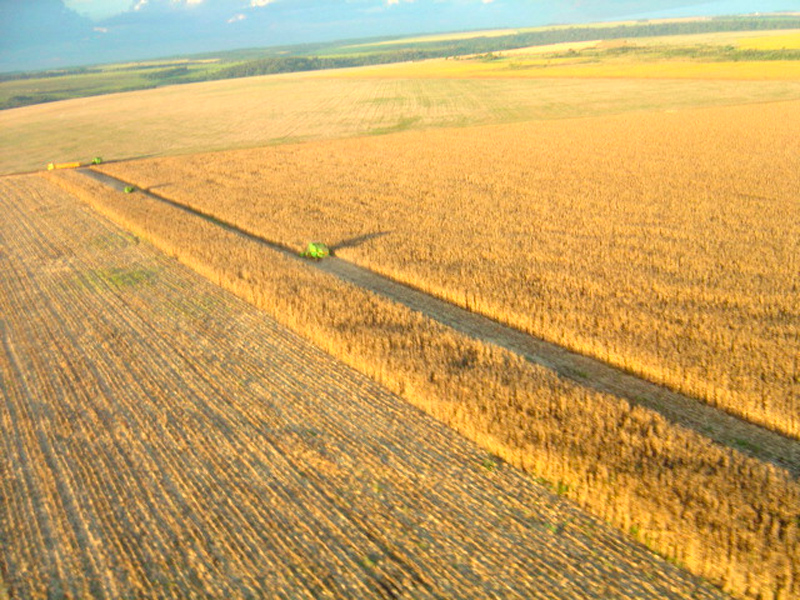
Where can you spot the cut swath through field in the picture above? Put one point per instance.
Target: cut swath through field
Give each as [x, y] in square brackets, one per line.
[657, 243]
[693, 501]
[723, 428]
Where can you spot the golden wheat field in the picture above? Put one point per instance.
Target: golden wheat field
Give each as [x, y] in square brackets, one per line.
[717, 513]
[278, 109]
[256, 425]
[778, 40]
[162, 439]
[664, 243]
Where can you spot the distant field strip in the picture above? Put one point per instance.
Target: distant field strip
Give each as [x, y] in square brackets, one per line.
[520, 67]
[279, 109]
[715, 424]
[722, 514]
[776, 41]
[162, 439]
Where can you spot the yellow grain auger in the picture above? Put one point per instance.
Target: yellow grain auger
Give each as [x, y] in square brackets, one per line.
[68, 165]
[73, 165]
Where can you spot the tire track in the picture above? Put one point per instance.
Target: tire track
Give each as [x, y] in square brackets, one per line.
[713, 423]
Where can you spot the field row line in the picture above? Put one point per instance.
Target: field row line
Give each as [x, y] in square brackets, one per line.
[713, 423]
[340, 526]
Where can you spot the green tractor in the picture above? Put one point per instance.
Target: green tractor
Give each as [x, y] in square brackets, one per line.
[316, 250]
[97, 160]
[129, 189]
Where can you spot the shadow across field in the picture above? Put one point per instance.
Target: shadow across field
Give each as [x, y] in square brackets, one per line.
[157, 186]
[121, 185]
[358, 240]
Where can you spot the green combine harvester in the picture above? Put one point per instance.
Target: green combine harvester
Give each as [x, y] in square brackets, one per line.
[316, 250]
[73, 165]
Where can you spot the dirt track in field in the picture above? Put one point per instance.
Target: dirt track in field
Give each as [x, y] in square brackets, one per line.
[723, 428]
[161, 438]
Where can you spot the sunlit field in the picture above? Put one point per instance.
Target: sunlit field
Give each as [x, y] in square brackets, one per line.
[776, 41]
[627, 203]
[621, 237]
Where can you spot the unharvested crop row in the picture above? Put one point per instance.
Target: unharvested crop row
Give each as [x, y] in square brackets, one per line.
[722, 515]
[662, 243]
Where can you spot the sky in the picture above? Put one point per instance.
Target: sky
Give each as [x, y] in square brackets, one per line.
[44, 34]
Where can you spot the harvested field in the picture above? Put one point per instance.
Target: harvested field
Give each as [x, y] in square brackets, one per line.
[722, 515]
[259, 111]
[163, 439]
[658, 243]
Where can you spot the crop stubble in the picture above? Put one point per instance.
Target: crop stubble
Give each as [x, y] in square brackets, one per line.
[162, 439]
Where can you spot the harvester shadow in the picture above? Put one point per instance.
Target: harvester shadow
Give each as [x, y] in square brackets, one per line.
[118, 185]
[358, 240]
[125, 159]
[157, 186]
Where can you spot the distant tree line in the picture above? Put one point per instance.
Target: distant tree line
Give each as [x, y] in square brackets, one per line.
[485, 45]
[166, 74]
[47, 74]
[705, 52]
[299, 58]
[89, 70]
[294, 64]
[27, 100]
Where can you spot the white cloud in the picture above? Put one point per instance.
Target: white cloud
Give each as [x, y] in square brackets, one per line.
[142, 3]
[237, 18]
[256, 3]
[98, 9]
